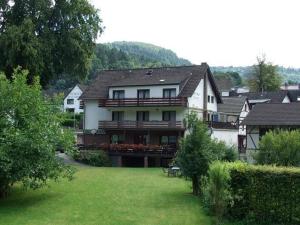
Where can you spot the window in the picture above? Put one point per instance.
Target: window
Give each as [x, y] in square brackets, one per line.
[212, 99]
[119, 94]
[117, 116]
[142, 116]
[70, 101]
[208, 98]
[142, 94]
[117, 139]
[169, 93]
[168, 140]
[169, 116]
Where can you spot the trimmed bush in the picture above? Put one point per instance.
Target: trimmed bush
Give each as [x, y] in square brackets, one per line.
[266, 194]
[279, 147]
[93, 158]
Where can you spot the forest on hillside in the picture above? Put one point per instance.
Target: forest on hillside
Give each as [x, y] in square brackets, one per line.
[125, 55]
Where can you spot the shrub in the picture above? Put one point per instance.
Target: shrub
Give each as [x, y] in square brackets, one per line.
[93, 157]
[279, 147]
[267, 194]
[216, 191]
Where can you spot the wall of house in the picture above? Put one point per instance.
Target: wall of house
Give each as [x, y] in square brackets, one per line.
[245, 111]
[229, 136]
[252, 138]
[93, 114]
[74, 94]
[286, 100]
[155, 113]
[155, 91]
[196, 100]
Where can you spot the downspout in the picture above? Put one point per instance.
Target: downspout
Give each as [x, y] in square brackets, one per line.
[205, 97]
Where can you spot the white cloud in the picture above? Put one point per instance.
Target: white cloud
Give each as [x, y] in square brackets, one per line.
[231, 32]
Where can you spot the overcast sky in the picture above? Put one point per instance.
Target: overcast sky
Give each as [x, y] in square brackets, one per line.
[220, 32]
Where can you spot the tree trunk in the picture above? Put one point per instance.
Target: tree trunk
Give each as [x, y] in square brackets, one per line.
[3, 191]
[195, 182]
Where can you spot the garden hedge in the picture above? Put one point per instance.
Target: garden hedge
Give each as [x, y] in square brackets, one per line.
[265, 194]
[93, 157]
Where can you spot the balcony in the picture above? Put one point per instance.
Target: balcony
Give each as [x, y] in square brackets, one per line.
[146, 102]
[222, 125]
[177, 125]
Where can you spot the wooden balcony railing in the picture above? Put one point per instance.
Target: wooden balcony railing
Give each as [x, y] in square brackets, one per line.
[141, 125]
[222, 125]
[133, 102]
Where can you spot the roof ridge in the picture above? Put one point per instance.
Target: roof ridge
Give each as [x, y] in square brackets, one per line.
[151, 68]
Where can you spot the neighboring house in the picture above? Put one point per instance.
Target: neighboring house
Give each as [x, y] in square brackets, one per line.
[71, 100]
[267, 97]
[265, 117]
[290, 87]
[137, 115]
[233, 110]
[294, 95]
[225, 85]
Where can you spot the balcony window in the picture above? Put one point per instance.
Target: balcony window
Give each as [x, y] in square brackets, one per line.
[142, 116]
[169, 116]
[142, 94]
[169, 93]
[117, 139]
[70, 101]
[119, 94]
[117, 116]
[168, 140]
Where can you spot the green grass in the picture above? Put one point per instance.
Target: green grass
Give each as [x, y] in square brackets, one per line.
[110, 196]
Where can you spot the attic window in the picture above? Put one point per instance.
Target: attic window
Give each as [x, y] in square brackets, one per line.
[149, 72]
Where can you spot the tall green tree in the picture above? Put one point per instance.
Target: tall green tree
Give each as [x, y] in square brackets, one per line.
[197, 150]
[264, 76]
[48, 37]
[30, 132]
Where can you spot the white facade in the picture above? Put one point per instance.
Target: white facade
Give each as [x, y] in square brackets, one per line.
[71, 101]
[229, 136]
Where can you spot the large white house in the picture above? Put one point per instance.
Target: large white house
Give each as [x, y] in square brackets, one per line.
[137, 115]
[71, 100]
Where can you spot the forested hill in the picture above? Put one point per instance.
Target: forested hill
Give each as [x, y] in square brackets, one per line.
[288, 74]
[148, 53]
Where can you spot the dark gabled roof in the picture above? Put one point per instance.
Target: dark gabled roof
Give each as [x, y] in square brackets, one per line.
[82, 87]
[232, 105]
[294, 95]
[285, 114]
[224, 83]
[187, 77]
[274, 96]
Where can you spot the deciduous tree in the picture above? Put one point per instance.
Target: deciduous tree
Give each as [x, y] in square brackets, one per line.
[30, 132]
[264, 76]
[48, 37]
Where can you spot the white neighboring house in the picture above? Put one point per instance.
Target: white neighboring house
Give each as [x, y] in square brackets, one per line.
[233, 111]
[137, 115]
[71, 100]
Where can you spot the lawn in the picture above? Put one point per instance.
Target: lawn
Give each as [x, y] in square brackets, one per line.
[116, 196]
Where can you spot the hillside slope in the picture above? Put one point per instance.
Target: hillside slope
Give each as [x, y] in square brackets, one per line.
[148, 53]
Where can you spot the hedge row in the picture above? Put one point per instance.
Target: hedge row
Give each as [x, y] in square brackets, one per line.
[266, 194]
[93, 157]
